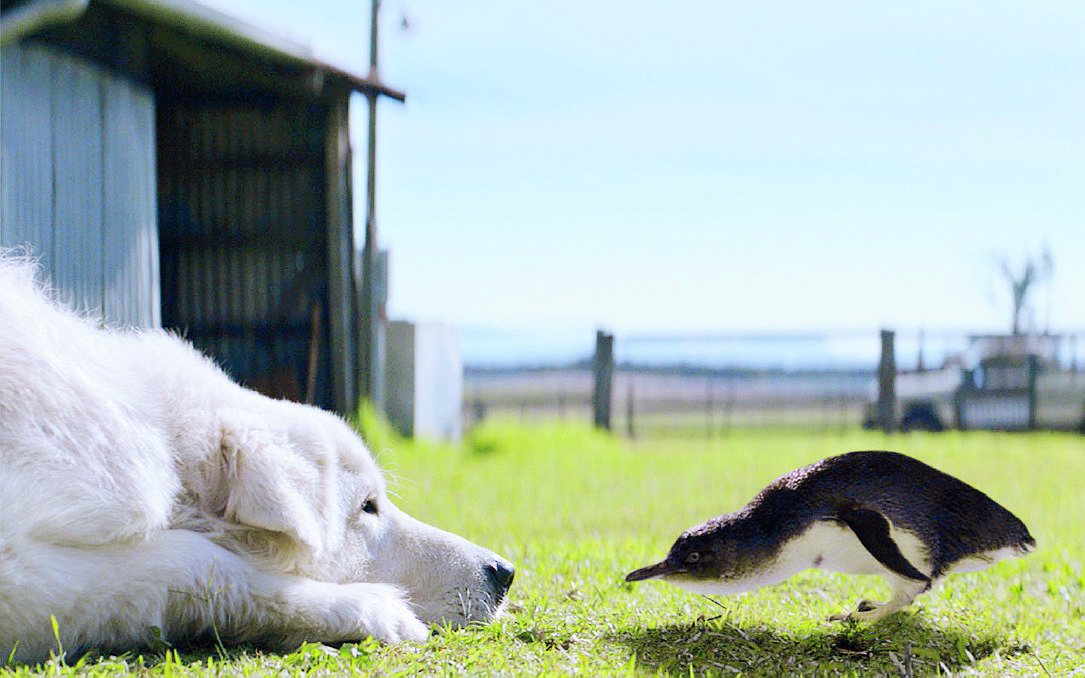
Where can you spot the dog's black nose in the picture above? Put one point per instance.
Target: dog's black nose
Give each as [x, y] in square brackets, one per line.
[501, 573]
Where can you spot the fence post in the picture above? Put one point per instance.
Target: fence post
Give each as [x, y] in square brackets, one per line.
[919, 361]
[1033, 371]
[843, 412]
[887, 375]
[480, 410]
[960, 396]
[603, 371]
[630, 405]
[708, 406]
[729, 406]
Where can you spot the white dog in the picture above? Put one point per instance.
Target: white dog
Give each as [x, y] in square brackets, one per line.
[143, 494]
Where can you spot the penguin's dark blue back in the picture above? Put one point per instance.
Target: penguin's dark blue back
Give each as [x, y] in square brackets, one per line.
[953, 519]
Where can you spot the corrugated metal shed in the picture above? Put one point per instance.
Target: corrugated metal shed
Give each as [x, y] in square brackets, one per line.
[192, 172]
[78, 180]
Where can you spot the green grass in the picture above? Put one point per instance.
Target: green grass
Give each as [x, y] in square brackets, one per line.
[575, 510]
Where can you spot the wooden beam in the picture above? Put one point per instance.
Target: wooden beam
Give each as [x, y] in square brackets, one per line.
[341, 302]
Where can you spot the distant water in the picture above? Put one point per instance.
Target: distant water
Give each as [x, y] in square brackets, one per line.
[488, 348]
[482, 347]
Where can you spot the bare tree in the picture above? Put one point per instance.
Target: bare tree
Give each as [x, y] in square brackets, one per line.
[1032, 273]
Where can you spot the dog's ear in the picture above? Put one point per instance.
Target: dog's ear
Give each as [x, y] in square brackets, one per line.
[271, 486]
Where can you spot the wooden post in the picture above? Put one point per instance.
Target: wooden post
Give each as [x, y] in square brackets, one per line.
[887, 375]
[630, 406]
[728, 404]
[843, 412]
[369, 319]
[708, 406]
[960, 395]
[317, 322]
[341, 301]
[1033, 372]
[370, 372]
[919, 362]
[603, 372]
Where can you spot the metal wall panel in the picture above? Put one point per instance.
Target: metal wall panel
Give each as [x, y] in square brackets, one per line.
[77, 177]
[131, 286]
[78, 180]
[26, 130]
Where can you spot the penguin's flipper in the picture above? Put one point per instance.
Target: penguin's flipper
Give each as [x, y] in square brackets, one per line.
[872, 529]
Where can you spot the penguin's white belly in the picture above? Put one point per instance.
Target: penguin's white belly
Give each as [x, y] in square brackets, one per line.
[827, 545]
[982, 561]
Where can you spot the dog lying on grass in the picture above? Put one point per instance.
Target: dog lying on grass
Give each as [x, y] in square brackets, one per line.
[145, 495]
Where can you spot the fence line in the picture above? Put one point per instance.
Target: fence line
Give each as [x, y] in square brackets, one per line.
[820, 381]
[646, 401]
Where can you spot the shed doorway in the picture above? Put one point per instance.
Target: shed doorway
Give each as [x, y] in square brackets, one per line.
[243, 239]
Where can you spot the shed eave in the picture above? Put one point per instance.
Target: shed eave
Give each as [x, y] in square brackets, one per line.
[33, 16]
[210, 24]
[198, 21]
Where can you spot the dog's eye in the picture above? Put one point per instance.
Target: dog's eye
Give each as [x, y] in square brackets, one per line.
[370, 506]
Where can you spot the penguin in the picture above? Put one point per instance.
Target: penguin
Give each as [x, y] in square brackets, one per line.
[868, 512]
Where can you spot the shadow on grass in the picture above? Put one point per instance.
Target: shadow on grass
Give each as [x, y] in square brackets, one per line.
[151, 657]
[903, 646]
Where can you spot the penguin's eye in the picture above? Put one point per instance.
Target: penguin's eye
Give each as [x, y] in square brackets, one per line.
[370, 506]
[693, 557]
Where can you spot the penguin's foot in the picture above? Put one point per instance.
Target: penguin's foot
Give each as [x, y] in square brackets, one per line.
[868, 610]
[904, 592]
[865, 606]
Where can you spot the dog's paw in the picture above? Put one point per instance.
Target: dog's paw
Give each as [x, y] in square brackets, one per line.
[380, 611]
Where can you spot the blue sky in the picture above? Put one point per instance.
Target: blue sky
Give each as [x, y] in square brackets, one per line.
[718, 166]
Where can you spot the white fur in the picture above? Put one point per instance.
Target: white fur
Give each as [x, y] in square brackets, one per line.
[142, 491]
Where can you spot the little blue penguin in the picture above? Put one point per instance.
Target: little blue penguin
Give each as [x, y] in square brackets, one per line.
[868, 512]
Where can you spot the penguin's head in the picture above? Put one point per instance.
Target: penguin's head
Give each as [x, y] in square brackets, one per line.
[711, 553]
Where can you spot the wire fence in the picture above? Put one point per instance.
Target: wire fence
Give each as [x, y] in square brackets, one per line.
[706, 385]
[649, 400]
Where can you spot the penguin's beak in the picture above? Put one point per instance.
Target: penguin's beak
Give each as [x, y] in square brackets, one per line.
[657, 571]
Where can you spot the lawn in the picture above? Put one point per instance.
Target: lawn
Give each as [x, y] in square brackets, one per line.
[575, 510]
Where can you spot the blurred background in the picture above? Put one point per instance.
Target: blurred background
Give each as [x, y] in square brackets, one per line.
[743, 196]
